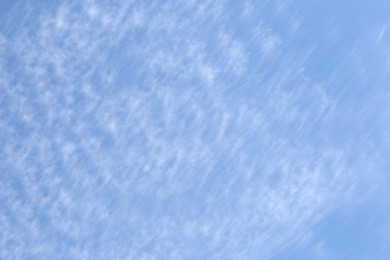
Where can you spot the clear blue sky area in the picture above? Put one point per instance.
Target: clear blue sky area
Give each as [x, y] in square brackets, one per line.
[195, 129]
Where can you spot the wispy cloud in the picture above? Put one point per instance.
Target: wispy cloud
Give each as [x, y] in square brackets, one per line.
[128, 131]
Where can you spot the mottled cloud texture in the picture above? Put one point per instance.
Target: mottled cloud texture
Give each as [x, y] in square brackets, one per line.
[175, 130]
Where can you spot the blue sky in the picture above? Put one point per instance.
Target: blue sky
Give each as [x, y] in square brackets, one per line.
[194, 129]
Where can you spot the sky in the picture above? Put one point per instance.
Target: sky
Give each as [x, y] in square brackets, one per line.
[194, 129]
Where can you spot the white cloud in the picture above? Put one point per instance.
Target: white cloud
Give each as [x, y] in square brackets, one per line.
[119, 171]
